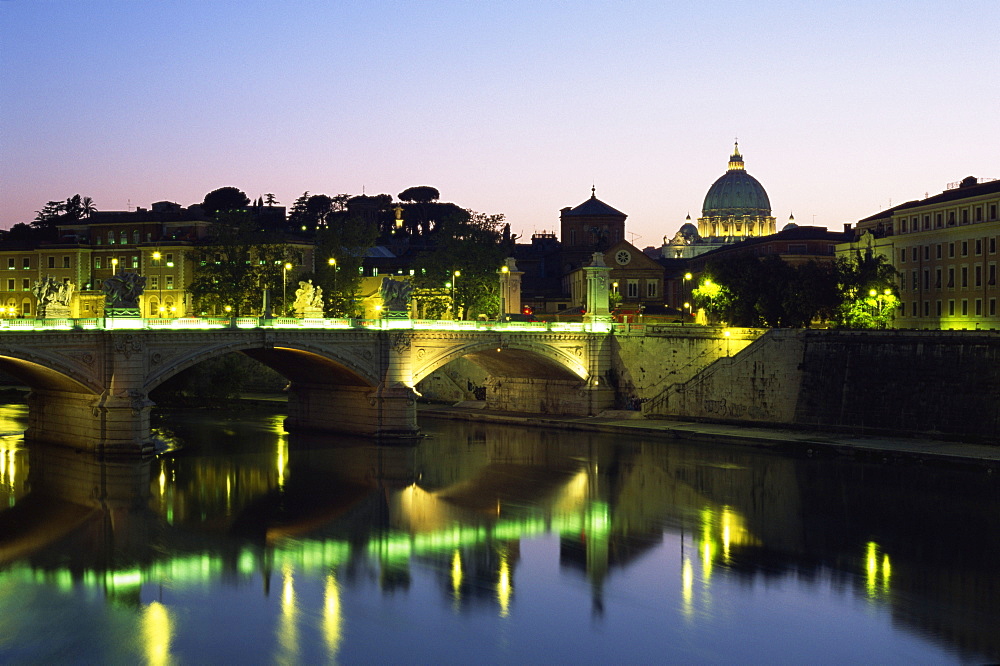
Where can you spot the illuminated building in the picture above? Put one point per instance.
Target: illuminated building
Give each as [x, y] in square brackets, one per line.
[736, 207]
[158, 243]
[945, 250]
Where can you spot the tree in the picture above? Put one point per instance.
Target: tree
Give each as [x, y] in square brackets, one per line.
[237, 263]
[225, 200]
[420, 194]
[88, 208]
[472, 245]
[269, 199]
[866, 281]
[341, 246]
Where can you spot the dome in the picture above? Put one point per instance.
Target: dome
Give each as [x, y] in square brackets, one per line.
[689, 229]
[736, 193]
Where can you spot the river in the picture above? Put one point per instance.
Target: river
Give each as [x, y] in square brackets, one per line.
[487, 544]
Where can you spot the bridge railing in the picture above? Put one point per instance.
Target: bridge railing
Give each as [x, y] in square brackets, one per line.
[201, 323]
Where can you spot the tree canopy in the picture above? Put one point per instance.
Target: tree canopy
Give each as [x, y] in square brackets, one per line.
[420, 194]
[224, 200]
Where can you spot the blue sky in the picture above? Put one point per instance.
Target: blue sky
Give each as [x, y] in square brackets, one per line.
[514, 107]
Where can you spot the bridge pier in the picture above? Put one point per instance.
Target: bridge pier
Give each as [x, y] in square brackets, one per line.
[107, 423]
[384, 412]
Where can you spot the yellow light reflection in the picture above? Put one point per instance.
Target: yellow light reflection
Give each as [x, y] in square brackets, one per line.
[282, 461]
[687, 586]
[874, 569]
[163, 481]
[288, 630]
[503, 585]
[333, 621]
[156, 628]
[456, 575]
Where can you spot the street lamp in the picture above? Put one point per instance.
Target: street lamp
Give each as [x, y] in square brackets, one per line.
[684, 280]
[454, 290]
[332, 263]
[284, 282]
[686, 312]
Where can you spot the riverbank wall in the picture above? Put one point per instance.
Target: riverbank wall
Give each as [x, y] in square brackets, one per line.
[943, 383]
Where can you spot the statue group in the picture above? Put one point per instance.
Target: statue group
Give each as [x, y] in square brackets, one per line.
[308, 300]
[54, 298]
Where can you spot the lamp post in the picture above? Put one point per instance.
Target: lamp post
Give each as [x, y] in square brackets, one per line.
[159, 280]
[332, 263]
[684, 292]
[504, 273]
[284, 282]
[686, 312]
[454, 292]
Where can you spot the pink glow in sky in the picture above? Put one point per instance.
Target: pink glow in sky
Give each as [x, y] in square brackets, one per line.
[505, 107]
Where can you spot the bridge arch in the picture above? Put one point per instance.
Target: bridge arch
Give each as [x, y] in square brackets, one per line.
[512, 359]
[48, 372]
[297, 362]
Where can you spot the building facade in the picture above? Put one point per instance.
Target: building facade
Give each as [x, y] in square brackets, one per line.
[945, 250]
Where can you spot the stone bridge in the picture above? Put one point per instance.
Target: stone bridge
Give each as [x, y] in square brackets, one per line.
[90, 386]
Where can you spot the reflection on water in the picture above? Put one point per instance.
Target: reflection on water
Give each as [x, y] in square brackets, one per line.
[488, 543]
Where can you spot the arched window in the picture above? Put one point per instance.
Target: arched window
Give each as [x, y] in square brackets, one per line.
[135, 236]
[25, 307]
[124, 238]
[154, 307]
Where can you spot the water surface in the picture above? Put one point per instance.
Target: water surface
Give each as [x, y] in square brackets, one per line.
[487, 544]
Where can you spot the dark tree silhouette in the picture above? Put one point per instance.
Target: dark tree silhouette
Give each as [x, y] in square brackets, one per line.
[224, 200]
[420, 194]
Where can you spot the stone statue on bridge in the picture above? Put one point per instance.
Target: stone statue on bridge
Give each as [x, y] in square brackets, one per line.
[395, 296]
[308, 300]
[53, 297]
[121, 294]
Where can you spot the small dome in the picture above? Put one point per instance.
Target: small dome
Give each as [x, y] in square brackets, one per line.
[736, 193]
[689, 229]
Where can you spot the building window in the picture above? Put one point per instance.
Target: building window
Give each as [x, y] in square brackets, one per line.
[965, 248]
[927, 278]
[26, 284]
[135, 261]
[951, 307]
[965, 306]
[10, 263]
[927, 308]
[26, 263]
[26, 308]
[902, 226]
[927, 252]
[993, 306]
[52, 262]
[902, 309]
[979, 213]
[938, 307]
[123, 238]
[651, 289]
[913, 253]
[951, 219]
[965, 276]
[979, 246]
[979, 276]
[135, 236]
[993, 211]
[65, 262]
[927, 222]
[937, 278]
[951, 277]
[939, 250]
[916, 313]
[992, 275]
[170, 282]
[916, 285]
[111, 238]
[937, 220]
[979, 307]
[154, 282]
[902, 256]
[97, 262]
[633, 289]
[10, 284]
[951, 250]
[993, 246]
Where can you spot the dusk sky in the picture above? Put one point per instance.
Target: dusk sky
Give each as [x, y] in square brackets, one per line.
[505, 107]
